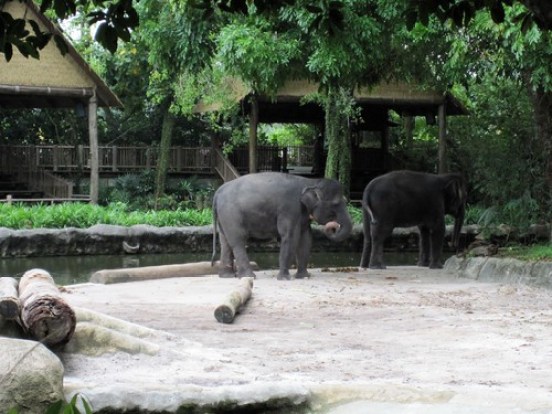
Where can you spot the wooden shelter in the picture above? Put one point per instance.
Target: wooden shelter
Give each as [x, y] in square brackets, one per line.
[287, 107]
[54, 81]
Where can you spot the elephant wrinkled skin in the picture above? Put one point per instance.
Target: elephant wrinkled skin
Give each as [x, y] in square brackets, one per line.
[408, 198]
[271, 204]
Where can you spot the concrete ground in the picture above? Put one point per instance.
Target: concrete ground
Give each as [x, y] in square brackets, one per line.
[401, 340]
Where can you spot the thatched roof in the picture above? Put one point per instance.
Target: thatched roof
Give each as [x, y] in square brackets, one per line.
[286, 105]
[54, 80]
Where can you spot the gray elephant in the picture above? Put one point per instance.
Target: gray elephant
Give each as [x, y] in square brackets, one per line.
[408, 198]
[272, 204]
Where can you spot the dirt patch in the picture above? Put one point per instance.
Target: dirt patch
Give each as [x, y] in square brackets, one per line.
[403, 328]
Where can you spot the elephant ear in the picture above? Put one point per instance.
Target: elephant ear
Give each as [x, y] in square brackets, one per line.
[455, 193]
[310, 197]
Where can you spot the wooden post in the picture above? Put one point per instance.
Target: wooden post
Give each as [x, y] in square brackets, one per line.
[114, 158]
[44, 314]
[226, 312]
[442, 139]
[10, 307]
[408, 130]
[93, 137]
[253, 123]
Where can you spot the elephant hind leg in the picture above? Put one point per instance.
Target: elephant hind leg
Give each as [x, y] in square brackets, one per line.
[226, 266]
[379, 233]
[243, 266]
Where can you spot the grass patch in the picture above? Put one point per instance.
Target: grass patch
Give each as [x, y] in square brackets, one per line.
[537, 252]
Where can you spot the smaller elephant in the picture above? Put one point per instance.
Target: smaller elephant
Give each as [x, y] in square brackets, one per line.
[409, 198]
[272, 204]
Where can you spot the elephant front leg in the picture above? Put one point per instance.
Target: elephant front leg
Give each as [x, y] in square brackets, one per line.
[423, 246]
[437, 237]
[303, 254]
[286, 256]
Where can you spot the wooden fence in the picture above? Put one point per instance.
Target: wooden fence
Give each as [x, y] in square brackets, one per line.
[66, 158]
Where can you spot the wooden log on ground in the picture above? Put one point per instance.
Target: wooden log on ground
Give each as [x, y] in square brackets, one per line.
[135, 274]
[45, 315]
[10, 306]
[226, 312]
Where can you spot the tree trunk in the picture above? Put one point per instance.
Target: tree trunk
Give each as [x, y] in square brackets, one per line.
[542, 106]
[45, 315]
[331, 134]
[164, 152]
[337, 131]
[253, 126]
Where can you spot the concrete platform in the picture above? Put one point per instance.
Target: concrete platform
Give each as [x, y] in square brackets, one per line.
[401, 340]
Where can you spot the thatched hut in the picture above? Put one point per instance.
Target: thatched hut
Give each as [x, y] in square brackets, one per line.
[54, 81]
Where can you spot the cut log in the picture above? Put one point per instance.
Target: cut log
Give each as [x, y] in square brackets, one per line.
[226, 312]
[10, 306]
[45, 316]
[134, 274]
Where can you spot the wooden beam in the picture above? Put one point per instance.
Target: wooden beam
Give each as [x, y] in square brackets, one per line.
[46, 90]
[94, 158]
[253, 124]
[442, 139]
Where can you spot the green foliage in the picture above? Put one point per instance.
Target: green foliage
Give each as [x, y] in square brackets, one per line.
[285, 135]
[355, 213]
[537, 252]
[77, 405]
[250, 48]
[21, 216]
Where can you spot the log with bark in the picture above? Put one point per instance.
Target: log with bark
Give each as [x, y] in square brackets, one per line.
[10, 306]
[226, 312]
[45, 315]
[135, 274]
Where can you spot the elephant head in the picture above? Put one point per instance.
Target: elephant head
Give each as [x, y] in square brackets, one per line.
[455, 203]
[326, 205]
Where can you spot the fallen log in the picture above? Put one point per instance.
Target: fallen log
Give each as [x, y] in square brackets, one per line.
[135, 274]
[10, 306]
[226, 312]
[45, 316]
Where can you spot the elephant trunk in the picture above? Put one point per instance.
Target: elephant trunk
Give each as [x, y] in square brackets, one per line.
[458, 223]
[339, 229]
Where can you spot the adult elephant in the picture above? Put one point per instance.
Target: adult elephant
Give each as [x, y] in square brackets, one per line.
[409, 198]
[271, 204]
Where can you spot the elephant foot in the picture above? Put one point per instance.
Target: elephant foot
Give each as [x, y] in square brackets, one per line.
[422, 264]
[247, 274]
[227, 274]
[283, 276]
[378, 266]
[436, 265]
[302, 275]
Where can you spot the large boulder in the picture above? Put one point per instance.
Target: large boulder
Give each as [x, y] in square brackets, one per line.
[31, 376]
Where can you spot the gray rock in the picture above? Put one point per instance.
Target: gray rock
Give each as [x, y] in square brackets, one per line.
[31, 376]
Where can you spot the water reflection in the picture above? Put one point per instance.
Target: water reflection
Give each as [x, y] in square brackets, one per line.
[77, 269]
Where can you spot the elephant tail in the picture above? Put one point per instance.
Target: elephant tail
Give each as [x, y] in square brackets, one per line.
[213, 257]
[371, 214]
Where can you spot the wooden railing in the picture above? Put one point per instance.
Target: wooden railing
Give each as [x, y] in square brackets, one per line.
[17, 162]
[223, 166]
[63, 158]
[268, 158]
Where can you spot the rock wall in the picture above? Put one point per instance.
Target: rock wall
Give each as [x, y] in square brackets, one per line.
[145, 239]
[493, 269]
